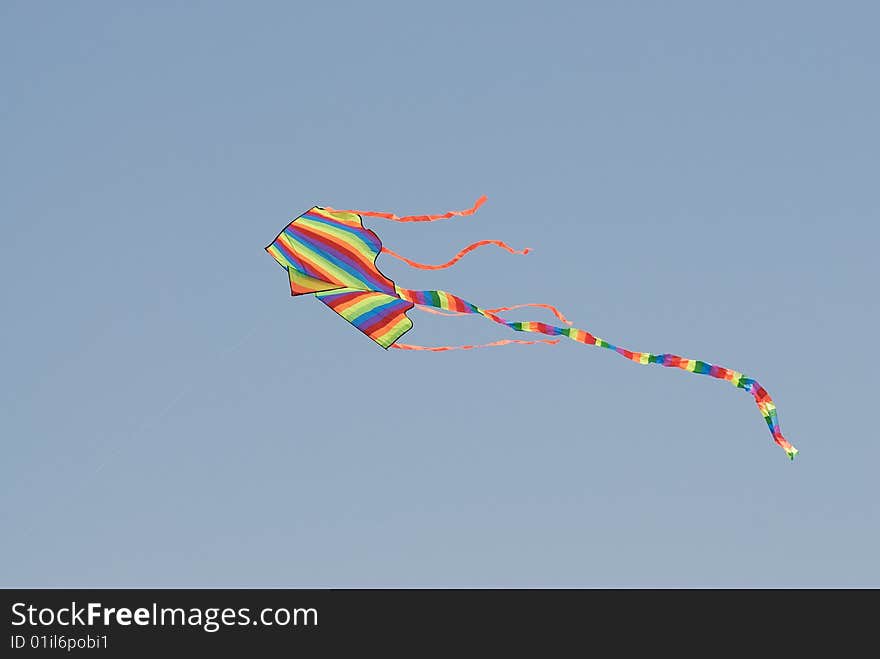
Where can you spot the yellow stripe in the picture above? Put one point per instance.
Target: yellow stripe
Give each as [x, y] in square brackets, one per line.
[309, 284]
[310, 256]
[278, 256]
[393, 333]
[337, 235]
[358, 306]
[352, 219]
[444, 300]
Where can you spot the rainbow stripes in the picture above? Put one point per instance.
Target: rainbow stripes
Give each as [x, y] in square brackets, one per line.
[332, 247]
[331, 255]
[380, 316]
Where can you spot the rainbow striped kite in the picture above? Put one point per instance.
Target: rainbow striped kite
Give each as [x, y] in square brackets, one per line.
[330, 254]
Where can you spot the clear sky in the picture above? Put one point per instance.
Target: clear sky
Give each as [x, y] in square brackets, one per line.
[698, 178]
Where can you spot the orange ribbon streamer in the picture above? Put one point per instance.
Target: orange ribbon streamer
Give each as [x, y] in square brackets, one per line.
[503, 342]
[417, 218]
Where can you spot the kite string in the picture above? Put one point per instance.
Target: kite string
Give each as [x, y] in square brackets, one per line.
[455, 259]
[449, 302]
[415, 218]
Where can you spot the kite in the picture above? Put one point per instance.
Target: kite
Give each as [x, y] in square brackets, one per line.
[329, 253]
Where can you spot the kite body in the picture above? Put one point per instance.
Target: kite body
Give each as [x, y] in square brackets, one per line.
[331, 255]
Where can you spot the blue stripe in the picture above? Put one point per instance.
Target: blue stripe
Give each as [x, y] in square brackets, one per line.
[334, 256]
[360, 233]
[290, 257]
[282, 254]
[377, 312]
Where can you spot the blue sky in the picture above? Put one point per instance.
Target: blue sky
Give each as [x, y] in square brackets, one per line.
[697, 178]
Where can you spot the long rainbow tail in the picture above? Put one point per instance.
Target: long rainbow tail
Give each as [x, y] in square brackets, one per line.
[442, 301]
[453, 304]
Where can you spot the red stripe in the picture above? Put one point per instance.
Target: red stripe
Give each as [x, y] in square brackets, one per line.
[463, 307]
[383, 322]
[761, 394]
[323, 273]
[457, 304]
[284, 249]
[340, 298]
[366, 267]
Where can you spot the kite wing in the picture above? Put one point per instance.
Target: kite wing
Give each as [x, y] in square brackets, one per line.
[380, 316]
[332, 255]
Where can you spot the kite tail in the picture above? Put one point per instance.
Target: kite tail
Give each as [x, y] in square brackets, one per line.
[449, 302]
[556, 312]
[502, 342]
[417, 218]
[455, 259]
